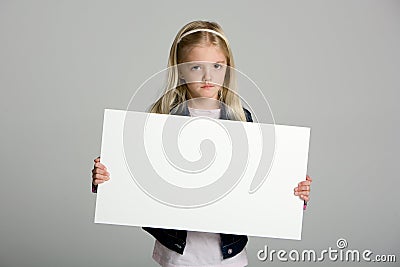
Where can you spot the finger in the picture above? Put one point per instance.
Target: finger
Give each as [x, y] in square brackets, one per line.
[306, 198]
[97, 159]
[305, 193]
[304, 183]
[98, 181]
[100, 171]
[100, 165]
[304, 188]
[299, 193]
[101, 177]
[308, 178]
[298, 190]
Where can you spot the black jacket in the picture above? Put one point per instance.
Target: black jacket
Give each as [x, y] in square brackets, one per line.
[175, 240]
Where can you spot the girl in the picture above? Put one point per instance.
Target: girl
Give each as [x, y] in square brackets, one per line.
[200, 42]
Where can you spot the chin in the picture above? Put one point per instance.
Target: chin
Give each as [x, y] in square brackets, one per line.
[209, 96]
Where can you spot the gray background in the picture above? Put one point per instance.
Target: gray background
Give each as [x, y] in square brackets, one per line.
[329, 65]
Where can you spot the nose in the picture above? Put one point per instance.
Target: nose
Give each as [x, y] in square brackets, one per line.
[207, 74]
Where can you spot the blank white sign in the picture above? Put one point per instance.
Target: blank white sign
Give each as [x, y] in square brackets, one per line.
[175, 199]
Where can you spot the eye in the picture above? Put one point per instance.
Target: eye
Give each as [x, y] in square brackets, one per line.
[217, 66]
[195, 67]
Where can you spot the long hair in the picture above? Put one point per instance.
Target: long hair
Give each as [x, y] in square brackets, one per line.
[176, 93]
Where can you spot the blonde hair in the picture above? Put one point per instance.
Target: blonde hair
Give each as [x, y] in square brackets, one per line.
[194, 34]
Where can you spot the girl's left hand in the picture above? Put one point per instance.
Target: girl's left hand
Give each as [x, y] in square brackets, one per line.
[303, 189]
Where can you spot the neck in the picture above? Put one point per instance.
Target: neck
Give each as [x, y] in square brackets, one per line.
[203, 103]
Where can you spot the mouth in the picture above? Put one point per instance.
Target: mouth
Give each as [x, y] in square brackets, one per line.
[207, 86]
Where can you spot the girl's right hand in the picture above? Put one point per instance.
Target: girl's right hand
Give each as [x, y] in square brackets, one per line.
[99, 173]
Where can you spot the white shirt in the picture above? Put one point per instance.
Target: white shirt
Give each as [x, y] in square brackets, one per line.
[202, 249]
[212, 113]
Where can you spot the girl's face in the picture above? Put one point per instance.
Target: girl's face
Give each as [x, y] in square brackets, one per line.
[204, 71]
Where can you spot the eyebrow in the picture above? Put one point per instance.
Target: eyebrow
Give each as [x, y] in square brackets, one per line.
[196, 62]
